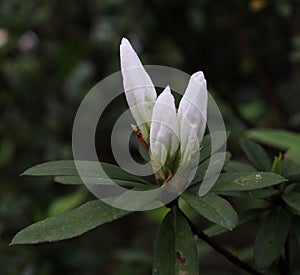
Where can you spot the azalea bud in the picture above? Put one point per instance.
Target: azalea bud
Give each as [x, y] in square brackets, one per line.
[164, 131]
[192, 116]
[139, 89]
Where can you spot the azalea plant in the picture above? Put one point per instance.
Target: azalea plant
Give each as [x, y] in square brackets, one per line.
[174, 141]
[171, 138]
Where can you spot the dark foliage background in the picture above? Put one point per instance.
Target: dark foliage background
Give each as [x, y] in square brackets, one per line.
[53, 52]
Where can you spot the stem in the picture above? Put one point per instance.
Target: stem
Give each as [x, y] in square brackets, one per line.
[224, 252]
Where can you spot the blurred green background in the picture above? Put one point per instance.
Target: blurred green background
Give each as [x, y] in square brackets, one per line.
[53, 52]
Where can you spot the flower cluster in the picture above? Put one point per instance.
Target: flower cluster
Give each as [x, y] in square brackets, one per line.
[171, 136]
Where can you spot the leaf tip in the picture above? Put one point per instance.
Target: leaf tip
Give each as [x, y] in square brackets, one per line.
[23, 173]
[26, 172]
[14, 241]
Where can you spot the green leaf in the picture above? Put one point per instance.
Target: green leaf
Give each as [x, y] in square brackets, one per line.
[290, 170]
[206, 151]
[289, 188]
[281, 139]
[271, 237]
[292, 200]
[263, 193]
[88, 168]
[237, 166]
[276, 138]
[253, 194]
[256, 154]
[69, 224]
[276, 166]
[140, 200]
[293, 154]
[213, 208]
[175, 250]
[243, 181]
[76, 180]
[244, 217]
[202, 168]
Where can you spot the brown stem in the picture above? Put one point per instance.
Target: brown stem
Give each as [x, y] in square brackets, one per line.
[224, 252]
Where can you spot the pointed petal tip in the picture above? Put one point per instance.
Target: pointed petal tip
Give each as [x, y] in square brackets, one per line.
[198, 75]
[166, 92]
[166, 97]
[125, 44]
[128, 56]
[167, 89]
[124, 41]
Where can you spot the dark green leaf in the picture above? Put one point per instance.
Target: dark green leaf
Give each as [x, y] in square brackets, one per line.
[256, 154]
[175, 250]
[202, 168]
[69, 224]
[276, 138]
[140, 200]
[290, 170]
[244, 217]
[280, 139]
[213, 208]
[243, 181]
[75, 180]
[292, 200]
[88, 168]
[237, 166]
[263, 193]
[255, 194]
[293, 154]
[289, 188]
[206, 151]
[271, 237]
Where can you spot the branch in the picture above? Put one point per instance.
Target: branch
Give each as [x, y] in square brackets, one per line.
[228, 255]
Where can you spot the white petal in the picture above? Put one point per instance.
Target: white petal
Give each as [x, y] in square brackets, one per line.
[139, 89]
[164, 131]
[192, 113]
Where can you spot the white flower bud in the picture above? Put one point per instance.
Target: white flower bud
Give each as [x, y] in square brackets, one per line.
[164, 130]
[139, 89]
[173, 139]
[192, 113]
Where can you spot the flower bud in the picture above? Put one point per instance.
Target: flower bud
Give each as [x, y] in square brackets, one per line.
[139, 89]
